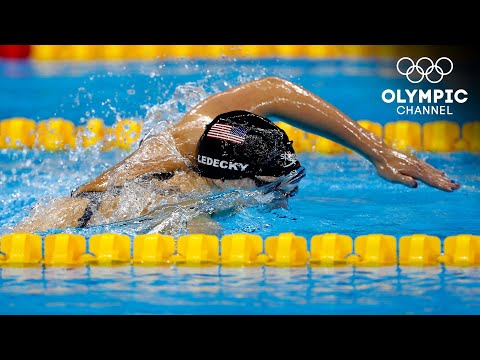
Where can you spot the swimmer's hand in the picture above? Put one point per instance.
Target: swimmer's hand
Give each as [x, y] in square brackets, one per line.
[406, 169]
[204, 224]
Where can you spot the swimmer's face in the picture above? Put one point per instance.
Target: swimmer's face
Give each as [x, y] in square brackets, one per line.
[250, 184]
[243, 184]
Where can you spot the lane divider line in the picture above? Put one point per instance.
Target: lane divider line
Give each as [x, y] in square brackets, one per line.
[284, 250]
[57, 134]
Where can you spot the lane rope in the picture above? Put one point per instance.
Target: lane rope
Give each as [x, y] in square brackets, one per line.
[57, 134]
[284, 250]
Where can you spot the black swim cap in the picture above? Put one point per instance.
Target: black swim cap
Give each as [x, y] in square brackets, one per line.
[239, 144]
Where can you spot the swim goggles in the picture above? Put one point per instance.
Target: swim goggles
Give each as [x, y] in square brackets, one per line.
[286, 186]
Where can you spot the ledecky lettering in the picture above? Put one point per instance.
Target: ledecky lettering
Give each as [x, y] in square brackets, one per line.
[221, 163]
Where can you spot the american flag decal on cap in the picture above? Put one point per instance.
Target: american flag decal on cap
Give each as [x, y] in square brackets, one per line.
[235, 134]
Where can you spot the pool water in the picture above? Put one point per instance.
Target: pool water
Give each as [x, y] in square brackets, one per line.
[339, 194]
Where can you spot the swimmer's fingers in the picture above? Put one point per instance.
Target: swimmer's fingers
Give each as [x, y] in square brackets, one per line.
[406, 180]
[434, 177]
[431, 178]
[407, 169]
[433, 169]
[427, 167]
[420, 170]
[392, 174]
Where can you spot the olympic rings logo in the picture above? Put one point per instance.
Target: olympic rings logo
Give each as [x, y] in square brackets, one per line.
[425, 73]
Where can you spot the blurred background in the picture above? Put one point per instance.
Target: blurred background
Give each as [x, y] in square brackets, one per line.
[111, 89]
[148, 52]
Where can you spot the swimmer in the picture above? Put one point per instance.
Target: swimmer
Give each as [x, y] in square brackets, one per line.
[225, 142]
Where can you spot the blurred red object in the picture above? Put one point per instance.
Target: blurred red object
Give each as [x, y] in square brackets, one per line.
[14, 51]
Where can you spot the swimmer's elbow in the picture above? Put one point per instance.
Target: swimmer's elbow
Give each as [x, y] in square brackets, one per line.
[276, 87]
[272, 81]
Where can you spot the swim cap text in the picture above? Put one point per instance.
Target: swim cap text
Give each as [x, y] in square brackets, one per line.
[221, 163]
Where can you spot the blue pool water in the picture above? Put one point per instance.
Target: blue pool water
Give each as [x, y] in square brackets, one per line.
[340, 194]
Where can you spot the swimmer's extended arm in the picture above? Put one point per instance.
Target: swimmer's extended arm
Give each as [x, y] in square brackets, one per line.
[303, 109]
[277, 97]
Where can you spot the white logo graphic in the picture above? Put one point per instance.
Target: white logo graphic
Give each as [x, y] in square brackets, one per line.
[290, 157]
[425, 73]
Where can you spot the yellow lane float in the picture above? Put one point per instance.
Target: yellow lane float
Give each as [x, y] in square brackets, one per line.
[109, 249]
[376, 249]
[330, 249]
[153, 249]
[17, 133]
[56, 134]
[403, 135]
[197, 249]
[21, 249]
[419, 249]
[471, 135]
[461, 250]
[440, 136]
[64, 249]
[286, 249]
[242, 249]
